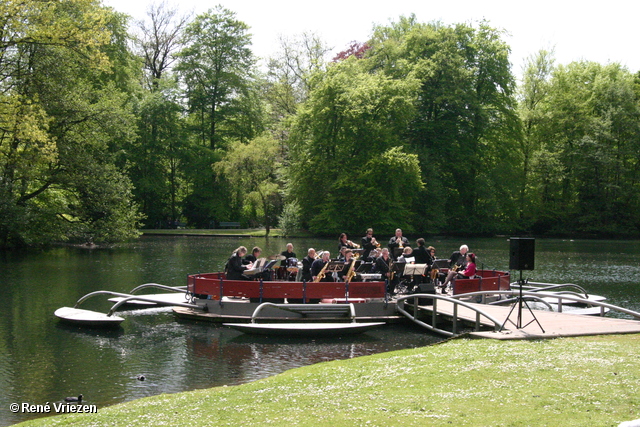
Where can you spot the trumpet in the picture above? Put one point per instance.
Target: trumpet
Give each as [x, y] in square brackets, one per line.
[353, 245]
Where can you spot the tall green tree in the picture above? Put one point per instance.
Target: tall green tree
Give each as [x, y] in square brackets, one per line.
[348, 166]
[216, 67]
[587, 170]
[62, 116]
[252, 170]
[157, 156]
[465, 114]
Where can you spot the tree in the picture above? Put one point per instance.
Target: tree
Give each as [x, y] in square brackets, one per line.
[587, 170]
[216, 67]
[347, 164]
[465, 114]
[159, 40]
[60, 118]
[156, 157]
[252, 171]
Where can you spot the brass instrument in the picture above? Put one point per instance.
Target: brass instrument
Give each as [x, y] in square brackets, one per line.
[400, 244]
[320, 275]
[351, 273]
[353, 245]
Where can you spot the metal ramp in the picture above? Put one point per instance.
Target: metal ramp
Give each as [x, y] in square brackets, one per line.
[304, 326]
[92, 318]
[492, 318]
[308, 310]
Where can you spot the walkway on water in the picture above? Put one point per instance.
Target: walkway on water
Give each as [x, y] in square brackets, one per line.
[551, 324]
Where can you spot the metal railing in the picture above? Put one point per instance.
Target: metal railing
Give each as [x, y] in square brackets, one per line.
[414, 317]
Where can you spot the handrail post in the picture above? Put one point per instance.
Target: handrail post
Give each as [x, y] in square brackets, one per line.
[434, 313]
[304, 291]
[455, 318]
[261, 290]
[415, 307]
[221, 291]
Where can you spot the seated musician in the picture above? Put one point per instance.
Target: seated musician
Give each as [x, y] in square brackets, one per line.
[381, 265]
[318, 265]
[397, 241]
[235, 268]
[287, 254]
[255, 254]
[468, 272]
[369, 243]
[432, 255]
[344, 242]
[407, 256]
[458, 257]
[306, 265]
[348, 258]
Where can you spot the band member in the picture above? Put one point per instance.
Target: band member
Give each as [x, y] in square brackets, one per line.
[469, 271]
[458, 257]
[421, 254]
[432, 255]
[235, 268]
[348, 257]
[381, 264]
[306, 265]
[407, 256]
[253, 257]
[287, 254]
[369, 243]
[317, 266]
[344, 242]
[397, 241]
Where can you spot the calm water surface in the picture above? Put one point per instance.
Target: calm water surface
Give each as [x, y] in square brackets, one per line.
[43, 361]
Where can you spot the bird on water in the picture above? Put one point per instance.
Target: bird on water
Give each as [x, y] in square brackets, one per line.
[73, 399]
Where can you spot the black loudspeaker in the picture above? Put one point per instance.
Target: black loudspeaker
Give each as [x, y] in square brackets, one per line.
[522, 253]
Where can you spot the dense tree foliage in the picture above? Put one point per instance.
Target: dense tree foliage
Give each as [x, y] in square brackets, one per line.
[105, 127]
[62, 116]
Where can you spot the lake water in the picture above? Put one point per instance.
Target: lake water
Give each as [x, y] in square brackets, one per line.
[44, 361]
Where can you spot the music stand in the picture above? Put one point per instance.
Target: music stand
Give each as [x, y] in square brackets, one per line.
[364, 267]
[335, 266]
[415, 269]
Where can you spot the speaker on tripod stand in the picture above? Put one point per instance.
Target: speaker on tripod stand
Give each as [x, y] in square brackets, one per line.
[521, 257]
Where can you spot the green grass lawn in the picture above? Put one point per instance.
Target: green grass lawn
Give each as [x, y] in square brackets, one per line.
[588, 381]
[256, 232]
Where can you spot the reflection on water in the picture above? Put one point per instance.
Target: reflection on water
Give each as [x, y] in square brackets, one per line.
[43, 361]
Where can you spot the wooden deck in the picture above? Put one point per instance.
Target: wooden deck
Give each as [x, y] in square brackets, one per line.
[554, 324]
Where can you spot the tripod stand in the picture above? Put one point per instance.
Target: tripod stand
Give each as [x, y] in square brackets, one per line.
[520, 301]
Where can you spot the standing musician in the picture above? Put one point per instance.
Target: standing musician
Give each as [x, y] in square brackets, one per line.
[369, 243]
[235, 268]
[421, 254]
[397, 241]
[306, 265]
[318, 265]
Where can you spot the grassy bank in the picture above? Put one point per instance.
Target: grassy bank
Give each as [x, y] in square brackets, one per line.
[590, 381]
[255, 232]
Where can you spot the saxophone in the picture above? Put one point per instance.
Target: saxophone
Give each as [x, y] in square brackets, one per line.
[320, 275]
[351, 273]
